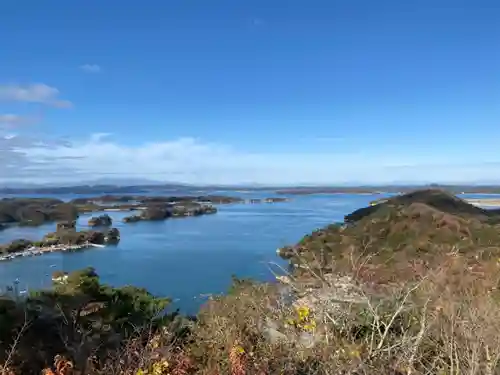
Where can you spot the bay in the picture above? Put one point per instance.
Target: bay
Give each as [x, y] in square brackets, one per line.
[188, 258]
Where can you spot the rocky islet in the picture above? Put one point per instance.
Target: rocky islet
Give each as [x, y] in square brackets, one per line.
[100, 221]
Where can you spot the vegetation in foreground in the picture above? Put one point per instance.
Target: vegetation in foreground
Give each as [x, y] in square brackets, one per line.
[408, 288]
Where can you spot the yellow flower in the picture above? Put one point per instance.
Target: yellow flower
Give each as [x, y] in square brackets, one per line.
[239, 349]
[303, 312]
[159, 368]
[141, 372]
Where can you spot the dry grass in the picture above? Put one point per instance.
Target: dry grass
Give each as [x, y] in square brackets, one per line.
[447, 322]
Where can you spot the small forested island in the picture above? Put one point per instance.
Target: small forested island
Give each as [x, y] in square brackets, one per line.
[100, 221]
[155, 212]
[407, 286]
[65, 238]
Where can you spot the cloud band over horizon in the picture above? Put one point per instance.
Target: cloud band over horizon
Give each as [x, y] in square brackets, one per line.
[190, 160]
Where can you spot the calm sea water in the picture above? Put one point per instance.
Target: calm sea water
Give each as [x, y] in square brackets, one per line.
[188, 258]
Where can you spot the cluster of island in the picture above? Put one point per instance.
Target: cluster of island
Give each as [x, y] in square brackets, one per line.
[38, 211]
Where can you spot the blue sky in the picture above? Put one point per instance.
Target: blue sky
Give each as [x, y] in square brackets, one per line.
[279, 92]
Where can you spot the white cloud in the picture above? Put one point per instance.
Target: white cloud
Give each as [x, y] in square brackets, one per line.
[194, 161]
[33, 93]
[91, 68]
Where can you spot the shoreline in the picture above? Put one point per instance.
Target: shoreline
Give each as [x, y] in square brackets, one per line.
[36, 251]
[484, 202]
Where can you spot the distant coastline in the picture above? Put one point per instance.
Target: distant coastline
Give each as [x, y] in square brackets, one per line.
[174, 189]
[392, 189]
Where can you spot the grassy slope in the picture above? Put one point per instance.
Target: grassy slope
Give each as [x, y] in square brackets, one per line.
[409, 231]
[422, 270]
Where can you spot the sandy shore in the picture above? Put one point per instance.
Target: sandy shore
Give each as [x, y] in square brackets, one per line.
[485, 202]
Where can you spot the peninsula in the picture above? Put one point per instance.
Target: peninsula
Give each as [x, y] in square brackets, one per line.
[65, 238]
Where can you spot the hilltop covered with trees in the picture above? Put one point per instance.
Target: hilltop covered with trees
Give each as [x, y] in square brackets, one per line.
[409, 286]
